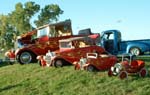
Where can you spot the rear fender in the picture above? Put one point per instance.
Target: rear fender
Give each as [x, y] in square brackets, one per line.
[142, 47]
[60, 58]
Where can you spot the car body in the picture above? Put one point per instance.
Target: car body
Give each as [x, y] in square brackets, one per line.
[46, 38]
[96, 61]
[128, 65]
[73, 49]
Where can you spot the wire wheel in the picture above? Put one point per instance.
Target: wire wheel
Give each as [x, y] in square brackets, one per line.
[143, 72]
[123, 75]
[58, 63]
[90, 68]
[25, 57]
[135, 51]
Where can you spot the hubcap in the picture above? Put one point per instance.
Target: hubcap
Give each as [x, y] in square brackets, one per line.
[59, 63]
[123, 75]
[25, 57]
[135, 51]
[143, 73]
[90, 68]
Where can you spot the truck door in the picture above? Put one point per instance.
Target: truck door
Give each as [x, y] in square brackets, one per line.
[110, 40]
[107, 41]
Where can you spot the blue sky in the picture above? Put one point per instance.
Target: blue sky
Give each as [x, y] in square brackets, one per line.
[131, 17]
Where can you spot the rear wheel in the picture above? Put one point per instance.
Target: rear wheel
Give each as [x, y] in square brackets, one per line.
[123, 75]
[91, 68]
[59, 63]
[135, 51]
[25, 57]
[143, 72]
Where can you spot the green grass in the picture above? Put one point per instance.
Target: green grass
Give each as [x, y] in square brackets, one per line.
[31, 79]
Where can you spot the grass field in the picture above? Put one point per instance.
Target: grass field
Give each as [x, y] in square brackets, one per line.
[31, 79]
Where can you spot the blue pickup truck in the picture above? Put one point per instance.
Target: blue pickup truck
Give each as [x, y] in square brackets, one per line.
[112, 42]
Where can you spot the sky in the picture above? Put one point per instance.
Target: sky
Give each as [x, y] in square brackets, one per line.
[131, 17]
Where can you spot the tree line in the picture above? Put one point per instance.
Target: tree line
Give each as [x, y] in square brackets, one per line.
[19, 21]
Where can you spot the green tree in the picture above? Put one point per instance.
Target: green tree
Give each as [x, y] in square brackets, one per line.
[21, 16]
[48, 14]
[18, 21]
[6, 32]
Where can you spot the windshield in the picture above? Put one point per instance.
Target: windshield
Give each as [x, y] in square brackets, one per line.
[65, 45]
[43, 32]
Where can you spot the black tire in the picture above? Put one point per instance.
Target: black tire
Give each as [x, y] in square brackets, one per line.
[135, 51]
[26, 57]
[58, 63]
[91, 68]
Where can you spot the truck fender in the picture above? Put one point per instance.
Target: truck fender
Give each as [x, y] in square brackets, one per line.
[141, 46]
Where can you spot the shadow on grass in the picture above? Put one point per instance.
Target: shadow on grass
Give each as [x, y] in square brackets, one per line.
[9, 87]
[137, 77]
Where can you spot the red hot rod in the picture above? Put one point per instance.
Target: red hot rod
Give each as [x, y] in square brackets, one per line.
[128, 65]
[72, 50]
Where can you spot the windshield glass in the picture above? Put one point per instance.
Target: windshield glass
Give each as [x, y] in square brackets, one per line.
[65, 45]
[43, 32]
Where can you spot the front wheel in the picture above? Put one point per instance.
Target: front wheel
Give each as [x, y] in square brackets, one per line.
[135, 51]
[25, 58]
[123, 75]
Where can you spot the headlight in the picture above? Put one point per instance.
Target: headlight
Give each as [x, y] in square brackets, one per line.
[117, 70]
[118, 65]
[38, 57]
[112, 68]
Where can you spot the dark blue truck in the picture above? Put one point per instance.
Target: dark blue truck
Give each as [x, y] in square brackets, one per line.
[112, 42]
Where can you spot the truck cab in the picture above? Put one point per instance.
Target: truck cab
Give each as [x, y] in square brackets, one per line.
[112, 42]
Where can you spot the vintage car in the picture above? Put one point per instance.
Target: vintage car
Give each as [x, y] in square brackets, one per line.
[72, 50]
[96, 61]
[128, 66]
[45, 38]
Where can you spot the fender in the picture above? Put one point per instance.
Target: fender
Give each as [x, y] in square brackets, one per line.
[142, 46]
[62, 58]
[18, 51]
